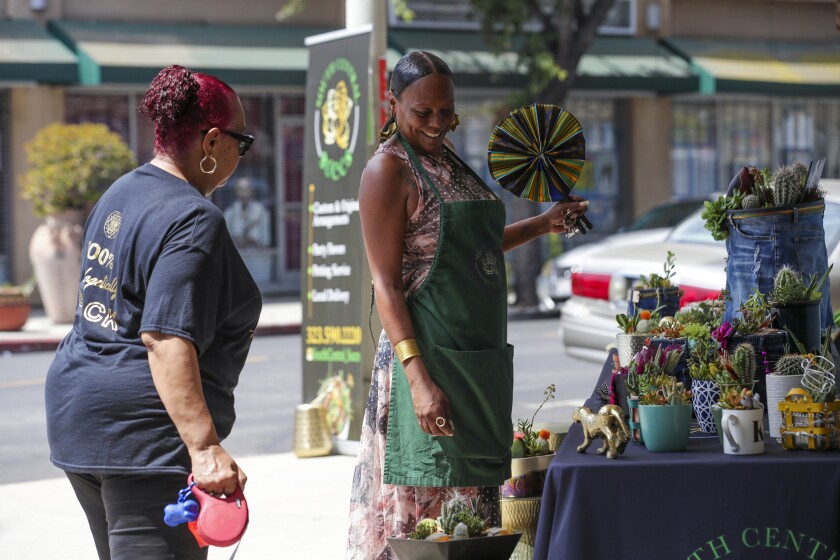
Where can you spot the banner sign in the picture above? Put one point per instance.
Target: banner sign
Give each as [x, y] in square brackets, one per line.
[335, 281]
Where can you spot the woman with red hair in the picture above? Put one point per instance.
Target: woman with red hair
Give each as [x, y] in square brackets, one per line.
[140, 392]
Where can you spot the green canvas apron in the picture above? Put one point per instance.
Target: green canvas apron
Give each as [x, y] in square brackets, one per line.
[459, 315]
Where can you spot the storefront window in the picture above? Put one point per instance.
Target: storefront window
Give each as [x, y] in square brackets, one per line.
[111, 110]
[5, 192]
[693, 150]
[744, 137]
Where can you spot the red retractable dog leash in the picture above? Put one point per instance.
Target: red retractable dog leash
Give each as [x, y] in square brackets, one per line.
[212, 520]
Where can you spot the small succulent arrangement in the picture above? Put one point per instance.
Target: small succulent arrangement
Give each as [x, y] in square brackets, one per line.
[668, 392]
[528, 442]
[642, 321]
[755, 188]
[656, 281]
[736, 391]
[755, 315]
[702, 313]
[790, 287]
[460, 518]
[651, 368]
[11, 294]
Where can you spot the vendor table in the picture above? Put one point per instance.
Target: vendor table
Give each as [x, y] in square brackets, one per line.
[699, 504]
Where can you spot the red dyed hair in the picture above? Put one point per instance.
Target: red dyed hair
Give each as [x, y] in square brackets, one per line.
[182, 103]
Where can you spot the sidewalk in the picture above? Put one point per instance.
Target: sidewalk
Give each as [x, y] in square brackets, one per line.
[298, 508]
[281, 316]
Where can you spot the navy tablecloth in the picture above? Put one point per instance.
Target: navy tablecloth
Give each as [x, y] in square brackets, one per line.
[699, 504]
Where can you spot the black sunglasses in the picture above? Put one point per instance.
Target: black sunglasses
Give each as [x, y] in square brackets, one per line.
[245, 140]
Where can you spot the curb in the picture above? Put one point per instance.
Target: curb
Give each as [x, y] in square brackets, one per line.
[50, 344]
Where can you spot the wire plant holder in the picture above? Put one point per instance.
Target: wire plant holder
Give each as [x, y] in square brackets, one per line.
[808, 421]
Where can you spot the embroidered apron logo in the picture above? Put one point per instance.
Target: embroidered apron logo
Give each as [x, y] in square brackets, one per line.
[487, 266]
[112, 225]
[337, 107]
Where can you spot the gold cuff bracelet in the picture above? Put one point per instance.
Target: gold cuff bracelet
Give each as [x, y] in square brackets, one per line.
[407, 349]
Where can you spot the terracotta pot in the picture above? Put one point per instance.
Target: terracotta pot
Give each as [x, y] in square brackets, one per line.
[55, 252]
[14, 310]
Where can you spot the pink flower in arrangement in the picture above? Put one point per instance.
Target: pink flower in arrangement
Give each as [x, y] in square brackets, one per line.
[519, 435]
[722, 333]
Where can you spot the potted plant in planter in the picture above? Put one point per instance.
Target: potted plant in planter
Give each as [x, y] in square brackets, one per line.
[635, 330]
[521, 494]
[767, 219]
[706, 373]
[458, 533]
[649, 369]
[656, 292]
[739, 368]
[754, 327]
[70, 165]
[742, 422]
[14, 305]
[796, 304]
[665, 413]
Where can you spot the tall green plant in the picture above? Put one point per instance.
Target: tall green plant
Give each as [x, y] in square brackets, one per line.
[70, 166]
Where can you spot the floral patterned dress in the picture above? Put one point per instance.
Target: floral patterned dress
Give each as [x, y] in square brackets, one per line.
[379, 510]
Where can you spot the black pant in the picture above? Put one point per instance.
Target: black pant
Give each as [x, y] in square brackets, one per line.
[125, 514]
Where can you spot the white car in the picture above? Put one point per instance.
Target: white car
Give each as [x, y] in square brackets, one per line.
[554, 284]
[600, 282]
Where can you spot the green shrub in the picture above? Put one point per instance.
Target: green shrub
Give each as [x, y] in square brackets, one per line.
[71, 165]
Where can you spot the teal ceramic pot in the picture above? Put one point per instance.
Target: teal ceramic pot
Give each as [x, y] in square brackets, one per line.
[666, 427]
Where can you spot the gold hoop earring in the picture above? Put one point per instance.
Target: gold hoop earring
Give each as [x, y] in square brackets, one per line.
[388, 131]
[201, 164]
[455, 123]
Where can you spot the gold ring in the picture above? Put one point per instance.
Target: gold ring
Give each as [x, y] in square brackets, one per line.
[440, 421]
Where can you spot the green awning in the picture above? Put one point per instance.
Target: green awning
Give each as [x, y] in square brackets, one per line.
[612, 63]
[29, 54]
[130, 53]
[776, 67]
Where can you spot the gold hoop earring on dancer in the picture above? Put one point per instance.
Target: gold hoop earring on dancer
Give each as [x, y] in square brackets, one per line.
[388, 131]
[455, 123]
[201, 165]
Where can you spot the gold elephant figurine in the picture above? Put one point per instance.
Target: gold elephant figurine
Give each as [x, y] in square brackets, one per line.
[608, 423]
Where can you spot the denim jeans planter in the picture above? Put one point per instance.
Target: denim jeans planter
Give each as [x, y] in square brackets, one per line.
[763, 240]
[652, 298]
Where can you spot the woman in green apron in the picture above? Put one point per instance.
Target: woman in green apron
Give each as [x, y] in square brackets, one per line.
[438, 419]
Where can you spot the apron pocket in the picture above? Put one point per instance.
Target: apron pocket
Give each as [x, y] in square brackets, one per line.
[479, 386]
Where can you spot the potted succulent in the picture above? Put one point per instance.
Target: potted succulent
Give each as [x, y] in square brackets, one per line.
[796, 304]
[649, 369]
[742, 421]
[635, 330]
[460, 532]
[706, 372]
[787, 374]
[739, 370]
[665, 414]
[754, 327]
[767, 219]
[70, 165]
[15, 305]
[656, 292]
[530, 456]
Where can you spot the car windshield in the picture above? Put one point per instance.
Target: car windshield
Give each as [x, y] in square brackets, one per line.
[666, 215]
[693, 229]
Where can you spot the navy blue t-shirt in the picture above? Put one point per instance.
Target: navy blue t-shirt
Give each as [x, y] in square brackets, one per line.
[157, 257]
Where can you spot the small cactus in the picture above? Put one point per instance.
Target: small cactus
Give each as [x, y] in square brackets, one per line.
[789, 184]
[448, 519]
[644, 326]
[460, 532]
[790, 364]
[788, 286]
[750, 201]
[743, 362]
